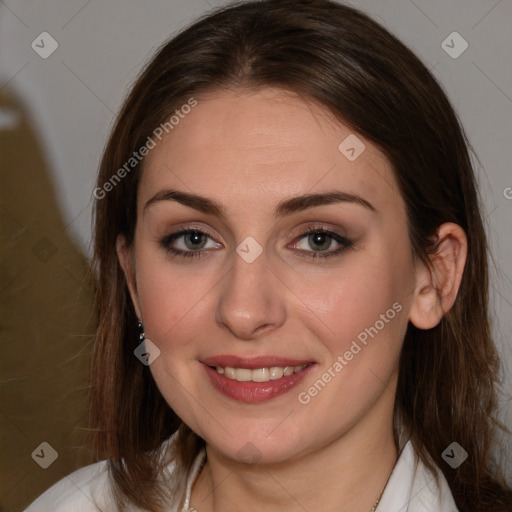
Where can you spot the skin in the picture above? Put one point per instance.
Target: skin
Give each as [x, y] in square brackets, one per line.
[249, 150]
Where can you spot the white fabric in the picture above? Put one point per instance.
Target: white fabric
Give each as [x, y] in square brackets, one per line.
[410, 488]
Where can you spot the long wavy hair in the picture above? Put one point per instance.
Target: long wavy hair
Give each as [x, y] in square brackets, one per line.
[340, 58]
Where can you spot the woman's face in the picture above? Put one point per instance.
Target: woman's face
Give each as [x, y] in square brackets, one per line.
[263, 294]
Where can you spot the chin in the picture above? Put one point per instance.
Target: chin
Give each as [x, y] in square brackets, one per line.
[254, 445]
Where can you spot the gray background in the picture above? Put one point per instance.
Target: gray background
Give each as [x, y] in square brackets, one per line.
[70, 99]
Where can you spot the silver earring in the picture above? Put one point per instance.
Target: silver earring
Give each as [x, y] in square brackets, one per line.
[140, 330]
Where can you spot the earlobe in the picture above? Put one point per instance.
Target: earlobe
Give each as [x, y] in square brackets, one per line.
[437, 288]
[125, 257]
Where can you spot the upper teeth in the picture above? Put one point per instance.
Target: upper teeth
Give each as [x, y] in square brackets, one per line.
[259, 374]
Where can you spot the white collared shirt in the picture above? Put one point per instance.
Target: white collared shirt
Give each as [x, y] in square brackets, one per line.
[410, 488]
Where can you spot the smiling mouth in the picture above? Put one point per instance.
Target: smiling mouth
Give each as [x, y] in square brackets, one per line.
[254, 380]
[258, 374]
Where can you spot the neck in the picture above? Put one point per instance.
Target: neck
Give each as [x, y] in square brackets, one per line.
[347, 474]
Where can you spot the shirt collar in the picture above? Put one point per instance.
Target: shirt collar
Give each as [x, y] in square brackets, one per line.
[413, 488]
[410, 488]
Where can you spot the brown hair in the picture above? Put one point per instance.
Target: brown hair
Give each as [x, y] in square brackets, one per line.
[337, 56]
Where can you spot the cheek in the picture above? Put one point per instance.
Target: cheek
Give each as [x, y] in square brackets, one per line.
[172, 303]
[356, 301]
[367, 303]
[169, 299]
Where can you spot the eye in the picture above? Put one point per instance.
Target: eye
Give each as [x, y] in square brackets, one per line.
[191, 246]
[321, 240]
[192, 243]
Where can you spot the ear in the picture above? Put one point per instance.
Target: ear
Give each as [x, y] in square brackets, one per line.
[127, 261]
[437, 289]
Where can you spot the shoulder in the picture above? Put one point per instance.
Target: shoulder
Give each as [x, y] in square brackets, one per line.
[84, 490]
[89, 490]
[431, 494]
[412, 486]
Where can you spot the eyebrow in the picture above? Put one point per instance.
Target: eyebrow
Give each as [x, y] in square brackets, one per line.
[284, 207]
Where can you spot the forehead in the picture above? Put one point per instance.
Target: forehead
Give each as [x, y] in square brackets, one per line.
[265, 145]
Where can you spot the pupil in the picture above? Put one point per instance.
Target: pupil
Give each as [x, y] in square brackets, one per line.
[193, 238]
[320, 239]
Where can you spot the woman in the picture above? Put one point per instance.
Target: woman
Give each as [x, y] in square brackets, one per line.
[291, 280]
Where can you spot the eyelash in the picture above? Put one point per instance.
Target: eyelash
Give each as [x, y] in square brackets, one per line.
[168, 239]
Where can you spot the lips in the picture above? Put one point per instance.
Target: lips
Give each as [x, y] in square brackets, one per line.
[257, 379]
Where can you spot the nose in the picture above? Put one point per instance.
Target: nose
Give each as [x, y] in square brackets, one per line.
[252, 300]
